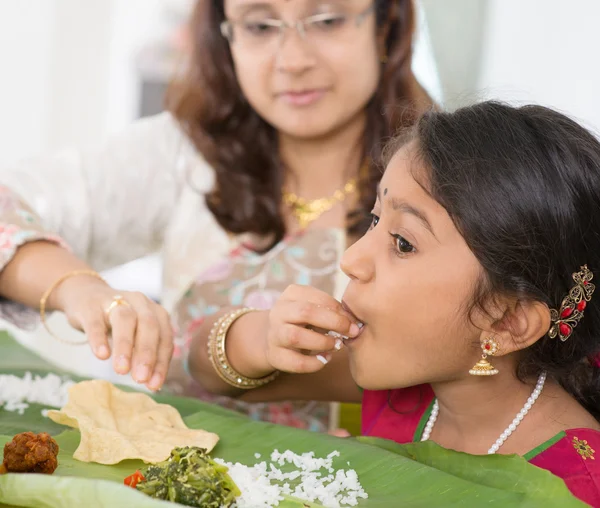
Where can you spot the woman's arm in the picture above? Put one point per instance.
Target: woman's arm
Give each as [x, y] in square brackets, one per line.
[111, 205]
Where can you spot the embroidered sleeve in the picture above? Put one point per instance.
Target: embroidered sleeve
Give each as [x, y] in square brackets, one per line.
[20, 225]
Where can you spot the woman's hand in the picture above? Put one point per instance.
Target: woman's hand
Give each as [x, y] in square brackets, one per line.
[141, 331]
[298, 324]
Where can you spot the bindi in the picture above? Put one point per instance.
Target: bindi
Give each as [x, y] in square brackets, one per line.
[385, 192]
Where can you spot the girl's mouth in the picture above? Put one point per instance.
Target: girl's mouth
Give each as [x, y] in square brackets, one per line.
[361, 324]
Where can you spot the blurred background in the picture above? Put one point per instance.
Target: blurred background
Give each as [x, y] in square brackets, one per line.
[75, 71]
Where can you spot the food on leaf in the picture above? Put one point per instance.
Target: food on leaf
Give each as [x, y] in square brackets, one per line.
[30, 453]
[189, 477]
[117, 425]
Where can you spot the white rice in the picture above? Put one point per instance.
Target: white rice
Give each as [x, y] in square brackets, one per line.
[263, 484]
[17, 393]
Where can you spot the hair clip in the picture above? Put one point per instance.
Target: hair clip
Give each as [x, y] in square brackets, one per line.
[572, 307]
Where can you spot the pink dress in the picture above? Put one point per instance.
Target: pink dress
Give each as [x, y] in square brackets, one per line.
[569, 455]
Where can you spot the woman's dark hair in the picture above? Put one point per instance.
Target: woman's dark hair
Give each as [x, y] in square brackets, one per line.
[242, 147]
[522, 185]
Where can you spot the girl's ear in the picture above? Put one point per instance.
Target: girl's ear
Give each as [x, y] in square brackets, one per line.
[522, 324]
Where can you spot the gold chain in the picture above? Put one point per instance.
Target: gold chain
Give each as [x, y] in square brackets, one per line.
[307, 211]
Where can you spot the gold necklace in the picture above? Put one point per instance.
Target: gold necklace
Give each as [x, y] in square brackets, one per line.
[307, 211]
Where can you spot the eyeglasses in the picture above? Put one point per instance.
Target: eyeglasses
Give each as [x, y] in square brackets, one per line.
[323, 28]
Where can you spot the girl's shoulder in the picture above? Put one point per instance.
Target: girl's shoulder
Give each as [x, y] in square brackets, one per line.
[574, 456]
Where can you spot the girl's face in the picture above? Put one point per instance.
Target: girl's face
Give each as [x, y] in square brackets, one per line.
[310, 82]
[412, 277]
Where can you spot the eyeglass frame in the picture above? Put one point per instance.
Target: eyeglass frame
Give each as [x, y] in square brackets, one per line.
[226, 26]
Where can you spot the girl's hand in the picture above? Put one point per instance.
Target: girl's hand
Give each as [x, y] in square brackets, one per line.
[298, 325]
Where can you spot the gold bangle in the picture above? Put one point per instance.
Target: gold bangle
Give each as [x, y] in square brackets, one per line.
[218, 357]
[46, 295]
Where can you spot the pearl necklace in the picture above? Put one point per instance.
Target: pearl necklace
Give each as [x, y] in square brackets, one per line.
[509, 430]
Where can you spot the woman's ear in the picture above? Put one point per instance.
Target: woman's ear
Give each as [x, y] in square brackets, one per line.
[523, 323]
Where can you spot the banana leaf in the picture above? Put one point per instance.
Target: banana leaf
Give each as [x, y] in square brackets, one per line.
[414, 475]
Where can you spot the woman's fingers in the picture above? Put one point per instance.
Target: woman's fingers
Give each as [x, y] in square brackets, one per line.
[94, 326]
[123, 322]
[141, 331]
[164, 351]
[147, 338]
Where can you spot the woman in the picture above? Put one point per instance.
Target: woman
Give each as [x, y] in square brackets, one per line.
[470, 315]
[283, 104]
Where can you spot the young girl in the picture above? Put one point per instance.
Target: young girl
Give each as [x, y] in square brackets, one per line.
[470, 312]
[266, 148]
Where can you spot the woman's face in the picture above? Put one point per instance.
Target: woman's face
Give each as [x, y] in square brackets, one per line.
[412, 277]
[307, 85]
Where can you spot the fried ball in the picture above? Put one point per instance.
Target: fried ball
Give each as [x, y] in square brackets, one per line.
[31, 453]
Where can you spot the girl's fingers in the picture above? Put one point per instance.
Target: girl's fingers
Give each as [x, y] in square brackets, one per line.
[323, 318]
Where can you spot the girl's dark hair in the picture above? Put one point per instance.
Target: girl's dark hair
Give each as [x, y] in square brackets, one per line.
[243, 149]
[522, 185]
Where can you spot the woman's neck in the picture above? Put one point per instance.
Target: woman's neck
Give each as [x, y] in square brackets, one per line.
[317, 167]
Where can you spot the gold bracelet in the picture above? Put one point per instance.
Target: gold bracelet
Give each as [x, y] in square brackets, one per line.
[45, 296]
[218, 357]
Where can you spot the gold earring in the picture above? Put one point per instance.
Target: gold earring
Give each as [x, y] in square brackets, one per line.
[484, 368]
[383, 58]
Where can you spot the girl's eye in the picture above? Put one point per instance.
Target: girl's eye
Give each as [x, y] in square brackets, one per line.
[402, 244]
[374, 221]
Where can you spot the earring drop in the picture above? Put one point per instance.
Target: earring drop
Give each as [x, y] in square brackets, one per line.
[483, 367]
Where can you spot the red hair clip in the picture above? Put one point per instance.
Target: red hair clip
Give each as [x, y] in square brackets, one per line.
[572, 307]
